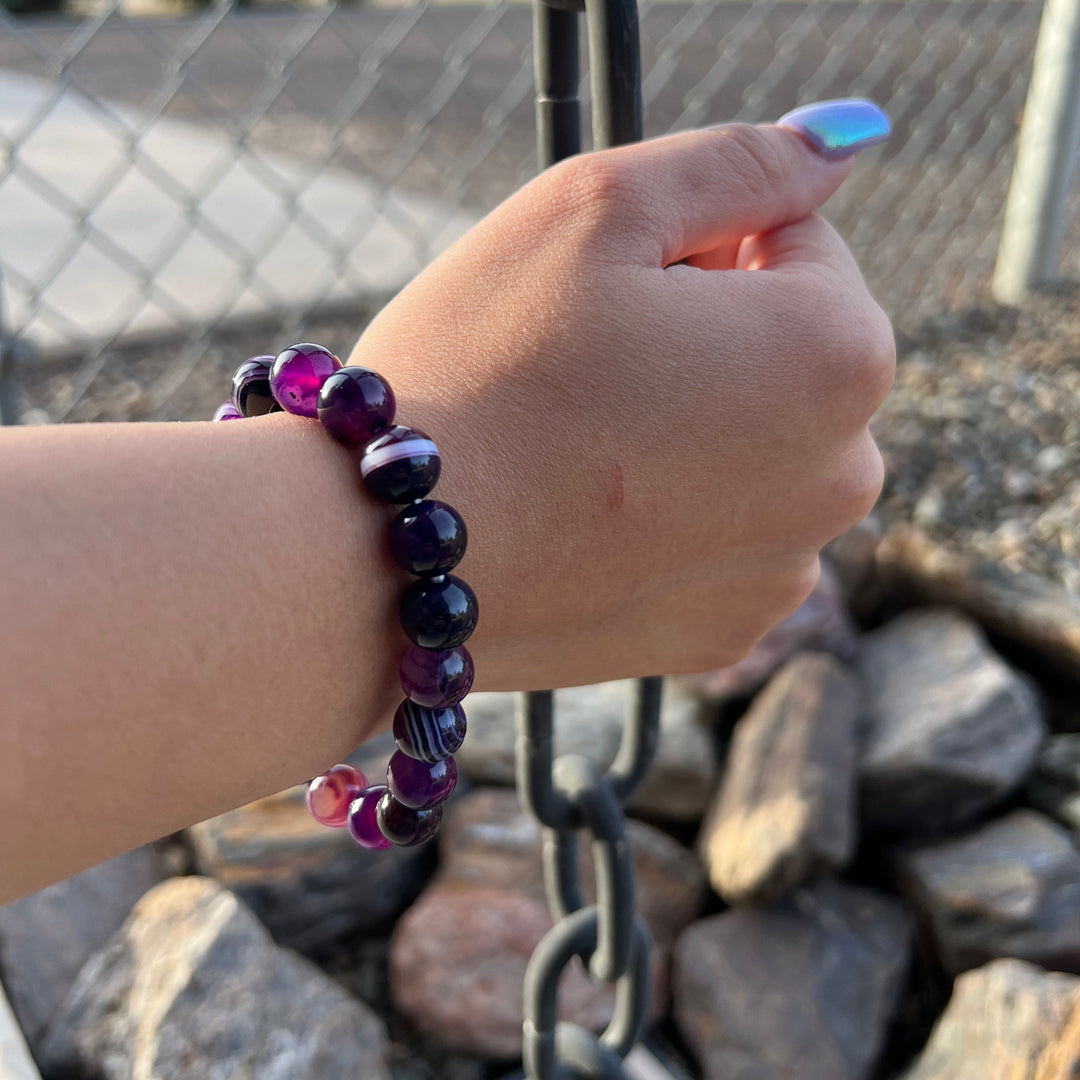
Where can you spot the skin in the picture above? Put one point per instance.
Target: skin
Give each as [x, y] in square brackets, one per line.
[649, 372]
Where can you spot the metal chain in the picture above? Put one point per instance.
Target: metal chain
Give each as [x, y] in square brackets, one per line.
[569, 795]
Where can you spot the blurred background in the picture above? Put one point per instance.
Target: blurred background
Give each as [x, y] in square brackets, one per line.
[856, 850]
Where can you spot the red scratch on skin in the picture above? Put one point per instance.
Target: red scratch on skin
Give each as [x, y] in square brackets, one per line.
[616, 492]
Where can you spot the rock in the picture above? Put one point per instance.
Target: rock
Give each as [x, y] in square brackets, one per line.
[1022, 607]
[820, 624]
[951, 729]
[1054, 786]
[1006, 1021]
[45, 938]
[458, 955]
[805, 988]
[15, 1060]
[852, 556]
[1011, 888]
[309, 884]
[193, 987]
[786, 807]
[589, 720]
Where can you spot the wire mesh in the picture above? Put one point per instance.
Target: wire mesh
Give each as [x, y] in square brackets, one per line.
[177, 193]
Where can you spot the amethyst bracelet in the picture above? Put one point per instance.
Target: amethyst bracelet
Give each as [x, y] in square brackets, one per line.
[438, 611]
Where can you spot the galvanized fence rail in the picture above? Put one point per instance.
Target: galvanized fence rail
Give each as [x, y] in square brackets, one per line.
[173, 191]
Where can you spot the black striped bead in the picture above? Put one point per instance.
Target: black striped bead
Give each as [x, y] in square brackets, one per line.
[428, 734]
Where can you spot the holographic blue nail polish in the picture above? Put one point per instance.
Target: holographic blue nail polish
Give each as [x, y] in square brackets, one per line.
[838, 128]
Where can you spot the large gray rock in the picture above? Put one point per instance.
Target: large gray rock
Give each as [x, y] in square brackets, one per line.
[1030, 610]
[951, 729]
[45, 938]
[804, 989]
[1011, 888]
[589, 720]
[1006, 1021]
[852, 556]
[786, 807]
[1054, 786]
[458, 955]
[193, 988]
[310, 884]
[820, 624]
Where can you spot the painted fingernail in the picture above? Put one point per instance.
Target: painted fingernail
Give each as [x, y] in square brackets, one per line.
[839, 128]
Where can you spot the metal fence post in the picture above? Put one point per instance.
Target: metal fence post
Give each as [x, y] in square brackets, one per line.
[9, 356]
[1036, 210]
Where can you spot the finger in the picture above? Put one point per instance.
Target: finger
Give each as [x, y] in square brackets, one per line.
[700, 191]
[811, 242]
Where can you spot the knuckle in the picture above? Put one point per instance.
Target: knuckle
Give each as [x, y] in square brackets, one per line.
[857, 484]
[599, 187]
[752, 156]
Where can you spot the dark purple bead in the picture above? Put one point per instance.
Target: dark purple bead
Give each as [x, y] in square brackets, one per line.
[362, 824]
[436, 678]
[400, 465]
[251, 387]
[428, 734]
[404, 826]
[227, 411]
[298, 373]
[428, 538]
[355, 404]
[420, 784]
[438, 613]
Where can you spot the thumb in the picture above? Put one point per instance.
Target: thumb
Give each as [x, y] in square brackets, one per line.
[700, 191]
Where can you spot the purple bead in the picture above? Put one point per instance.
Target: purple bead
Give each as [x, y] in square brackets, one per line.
[439, 613]
[428, 538]
[428, 734]
[404, 826]
[227, 411]
[355, 404]
[400, 465]
[250, 391]
[436, 678]
[297, 375]
[363, 823]
[420, 784]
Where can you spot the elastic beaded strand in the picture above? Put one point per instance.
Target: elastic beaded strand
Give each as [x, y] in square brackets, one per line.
[398, 465]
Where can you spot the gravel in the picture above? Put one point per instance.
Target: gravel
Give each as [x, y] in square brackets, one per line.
[981, 434]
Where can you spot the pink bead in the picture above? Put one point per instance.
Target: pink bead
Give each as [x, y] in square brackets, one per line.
[329, 795]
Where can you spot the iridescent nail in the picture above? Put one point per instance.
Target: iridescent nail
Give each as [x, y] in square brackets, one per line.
[837, 129]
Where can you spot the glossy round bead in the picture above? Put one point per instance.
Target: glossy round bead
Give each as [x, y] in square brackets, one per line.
[404, 826]
[420, 784]
[438, 613]
[227, 411]
[250, 391]
[436, 678]
[428, 538]
[428, 734]
[298, 373]
[330, 795]
[363, 823]
[355, 404]
[400, 465]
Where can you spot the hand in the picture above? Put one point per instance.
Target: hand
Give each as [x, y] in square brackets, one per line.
[650, 373]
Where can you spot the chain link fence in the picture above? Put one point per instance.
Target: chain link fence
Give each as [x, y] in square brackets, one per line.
[177, 193]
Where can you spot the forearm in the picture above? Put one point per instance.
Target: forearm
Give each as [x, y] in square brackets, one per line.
[192, 616]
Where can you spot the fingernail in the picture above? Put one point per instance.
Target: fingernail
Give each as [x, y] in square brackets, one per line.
[837, 129]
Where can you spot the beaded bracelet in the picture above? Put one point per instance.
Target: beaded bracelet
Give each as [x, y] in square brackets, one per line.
[438, 611]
